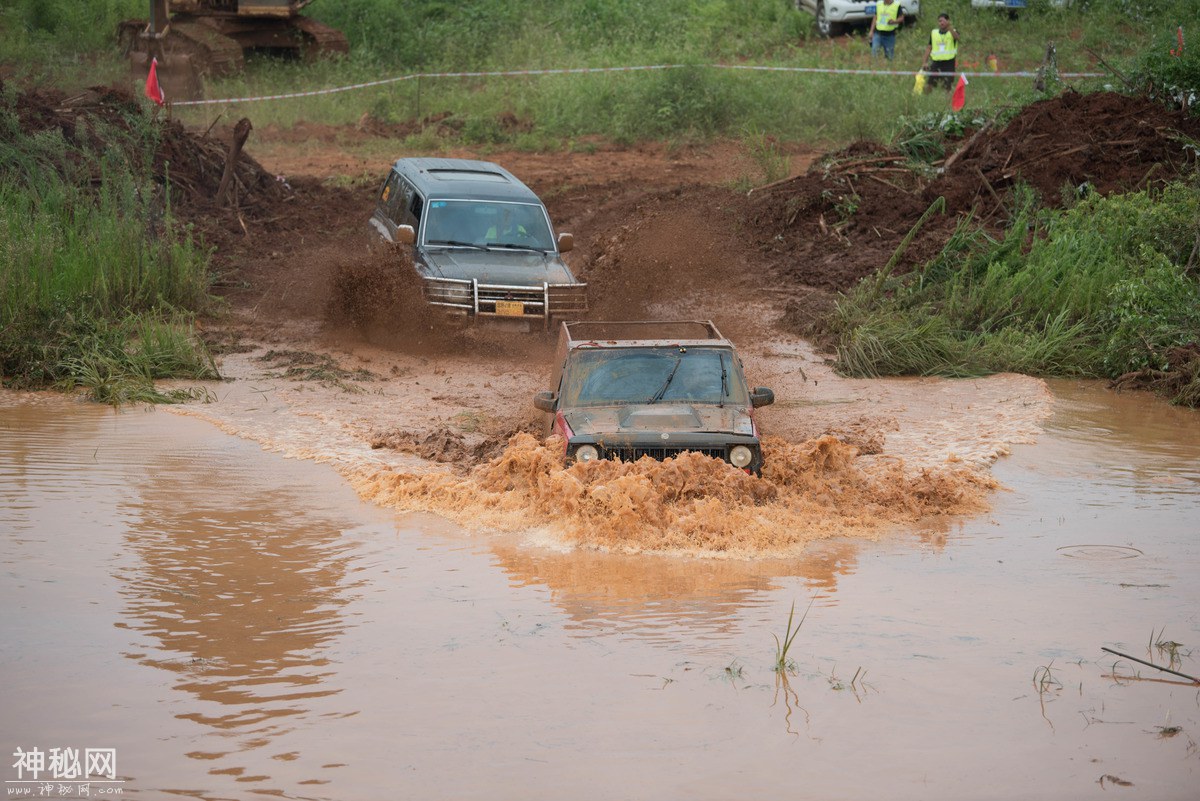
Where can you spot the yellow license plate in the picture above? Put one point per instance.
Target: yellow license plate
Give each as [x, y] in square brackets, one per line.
[510, 308]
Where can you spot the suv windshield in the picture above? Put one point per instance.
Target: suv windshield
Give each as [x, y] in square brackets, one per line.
[486, 224]
[652, 375]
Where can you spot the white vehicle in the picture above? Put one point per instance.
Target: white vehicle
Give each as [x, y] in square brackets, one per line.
[1013, 6]
[835, 16]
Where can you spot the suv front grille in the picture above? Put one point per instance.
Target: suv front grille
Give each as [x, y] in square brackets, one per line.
[567, 300]
[533, 298]
[630, 454]
[472, 297]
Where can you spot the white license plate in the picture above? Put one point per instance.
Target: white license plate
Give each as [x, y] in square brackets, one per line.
[510, 308]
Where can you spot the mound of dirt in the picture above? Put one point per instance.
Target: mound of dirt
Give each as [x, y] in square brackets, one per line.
[1104, 141]
[254, 235]
[842, 220]
[191, 164]
[846, 217]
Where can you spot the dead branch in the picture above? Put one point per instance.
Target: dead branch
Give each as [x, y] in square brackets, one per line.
[888, 183]
[847, 165]
[1151, 664]
[1120, 75]
[241, 132]
[773, 184]
[956, 155]
[988, 185]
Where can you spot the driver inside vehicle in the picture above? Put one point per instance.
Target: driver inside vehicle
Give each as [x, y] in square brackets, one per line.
[450, 223]
[507, 230]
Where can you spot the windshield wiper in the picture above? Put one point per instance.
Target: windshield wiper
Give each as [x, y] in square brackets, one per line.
[514, 246]
[724, 381]
[670, 376]
[455, 243]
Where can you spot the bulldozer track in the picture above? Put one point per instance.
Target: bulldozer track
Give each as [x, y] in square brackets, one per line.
[216, 54]
[324, 39]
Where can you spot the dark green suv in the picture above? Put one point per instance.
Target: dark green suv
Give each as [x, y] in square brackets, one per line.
[482, 241]
[626, 390]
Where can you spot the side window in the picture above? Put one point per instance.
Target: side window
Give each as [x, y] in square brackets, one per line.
[416, 206]
[390, 195]
[407, 200]
[401, 214]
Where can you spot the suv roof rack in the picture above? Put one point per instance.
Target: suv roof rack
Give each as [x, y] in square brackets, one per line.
[594, 332]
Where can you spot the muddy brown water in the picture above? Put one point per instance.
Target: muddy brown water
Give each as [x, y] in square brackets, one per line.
[236, 624]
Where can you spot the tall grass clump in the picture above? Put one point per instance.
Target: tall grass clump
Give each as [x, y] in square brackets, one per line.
[1170, 70]
[783, 662]
[97, 285]
[40, 39]
[1102, 289]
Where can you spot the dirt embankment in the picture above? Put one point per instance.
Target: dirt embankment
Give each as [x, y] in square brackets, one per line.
[846, 217]
[649, 224]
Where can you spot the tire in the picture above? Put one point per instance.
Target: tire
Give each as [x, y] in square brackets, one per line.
[825, 27]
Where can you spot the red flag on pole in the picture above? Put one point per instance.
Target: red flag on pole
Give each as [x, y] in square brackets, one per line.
[153, 90]
[959, 99]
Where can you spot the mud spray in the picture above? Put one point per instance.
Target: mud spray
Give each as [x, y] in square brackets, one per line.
[691, 503]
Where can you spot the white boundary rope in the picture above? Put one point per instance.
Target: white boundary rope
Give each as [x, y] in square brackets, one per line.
[583, 70]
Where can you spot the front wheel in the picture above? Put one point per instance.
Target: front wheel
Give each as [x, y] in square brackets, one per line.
[826, 27]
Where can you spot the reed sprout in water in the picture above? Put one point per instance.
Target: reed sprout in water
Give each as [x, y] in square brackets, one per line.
[782, 662]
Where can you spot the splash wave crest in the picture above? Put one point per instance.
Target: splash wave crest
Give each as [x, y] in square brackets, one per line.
[808, 491]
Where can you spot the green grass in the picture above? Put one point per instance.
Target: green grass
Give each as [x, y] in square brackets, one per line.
[783, 663]
[1044, 679]
[97, 284]
[71, 42]
[1102, 289]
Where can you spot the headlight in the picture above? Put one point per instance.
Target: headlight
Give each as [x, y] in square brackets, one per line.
[586, 453]
[741, 456]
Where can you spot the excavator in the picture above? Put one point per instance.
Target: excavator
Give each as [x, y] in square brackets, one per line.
[192, 39]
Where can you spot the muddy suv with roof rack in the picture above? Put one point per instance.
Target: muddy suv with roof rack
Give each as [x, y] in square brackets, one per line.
[628, 390]
[482, 241]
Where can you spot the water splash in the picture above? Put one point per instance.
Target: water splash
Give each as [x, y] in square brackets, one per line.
[808, 491]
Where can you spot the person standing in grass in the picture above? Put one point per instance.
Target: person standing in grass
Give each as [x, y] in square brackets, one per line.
[888, 17]
[941, 53]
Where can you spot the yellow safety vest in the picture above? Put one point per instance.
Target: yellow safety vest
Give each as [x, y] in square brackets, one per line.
[885, 16]
[944, 48]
